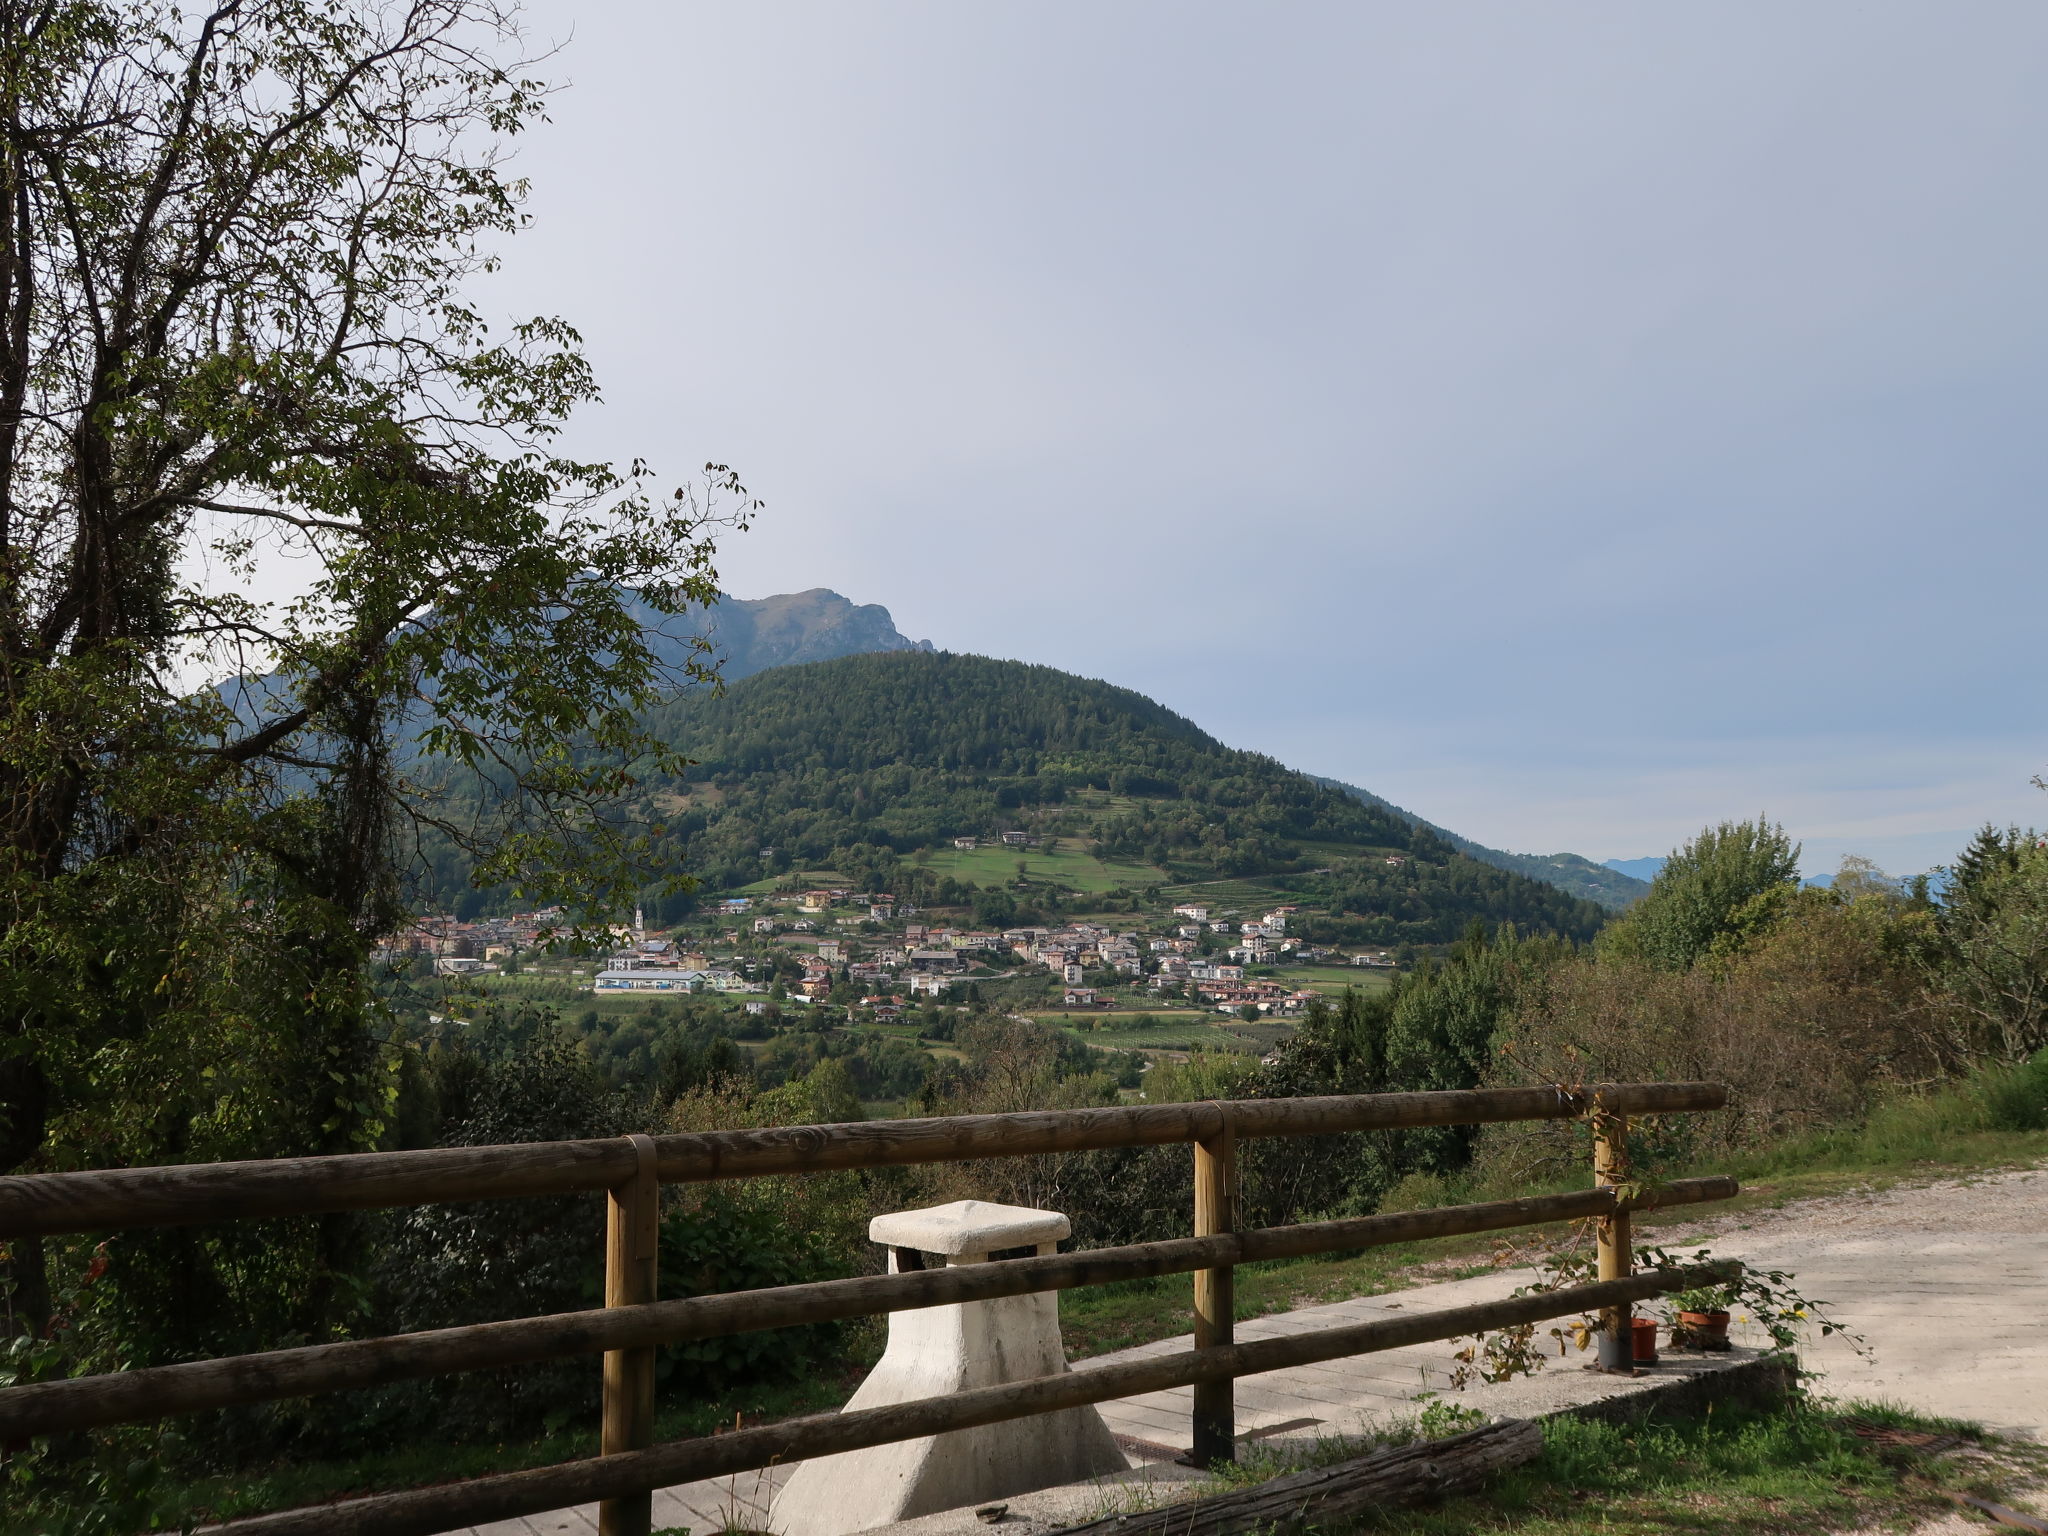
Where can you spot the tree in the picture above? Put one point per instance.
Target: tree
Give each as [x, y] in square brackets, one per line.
[232, 321]
[1994, 955]
[1727, 883]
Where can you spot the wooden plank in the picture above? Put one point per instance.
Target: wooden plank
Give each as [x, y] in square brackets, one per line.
[430, 1511]
[1613, 1241]
[632, 1240]
[128, 1396]
[1214, 1427]
[96, 1200]
[1325, 1496]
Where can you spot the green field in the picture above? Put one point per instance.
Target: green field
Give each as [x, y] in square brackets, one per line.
[1331, 980]
[1181, 1030]
[1075, 868]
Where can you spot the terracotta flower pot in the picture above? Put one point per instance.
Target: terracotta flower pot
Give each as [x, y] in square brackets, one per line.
[1705, 1330]
[1645, 1340]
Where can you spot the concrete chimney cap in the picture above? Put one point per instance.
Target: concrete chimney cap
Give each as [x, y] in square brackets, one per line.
[968, 1226]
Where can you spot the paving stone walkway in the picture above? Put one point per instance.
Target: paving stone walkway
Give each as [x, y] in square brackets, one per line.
[1946, 1281]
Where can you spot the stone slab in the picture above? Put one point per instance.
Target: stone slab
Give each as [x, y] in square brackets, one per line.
[968, 1227]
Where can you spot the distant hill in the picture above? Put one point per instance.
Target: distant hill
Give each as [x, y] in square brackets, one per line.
[1644, 870]
[872, 765]
[1612, 885]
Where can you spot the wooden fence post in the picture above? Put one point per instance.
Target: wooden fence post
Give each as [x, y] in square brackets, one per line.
[1615, 1241]
[631, 1238]
[1215, 1419]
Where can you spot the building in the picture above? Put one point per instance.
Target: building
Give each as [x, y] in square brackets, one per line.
[1192, 911]
[928, 984]
[1078, 997]
[627, 977]
[764, 925]
[967, 844]
[829, 949]
[941, 962]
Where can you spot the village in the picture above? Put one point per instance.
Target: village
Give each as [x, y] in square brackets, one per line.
[875, 956]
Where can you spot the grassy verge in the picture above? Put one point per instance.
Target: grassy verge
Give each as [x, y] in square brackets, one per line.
[1798, 1468]
[292, 1481]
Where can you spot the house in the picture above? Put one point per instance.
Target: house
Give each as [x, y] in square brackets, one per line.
[1194, 912]
[1219, 927]
[1071, 975]
[1078, 997]
[453, 965]
[764, 925]
[829, 949]
[816, 990]
[881, 911]
[756, 1007]
[1017, 839]
[967, 844]
[633, 978]
[935, 961]
[913, 934]
[1395, 858]
[733, 906]
[928, 984]
[803, 925]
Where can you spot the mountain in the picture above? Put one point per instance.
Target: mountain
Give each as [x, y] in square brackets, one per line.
[871, 765]
[1643, 870]
[752, 634]
[1613, 885]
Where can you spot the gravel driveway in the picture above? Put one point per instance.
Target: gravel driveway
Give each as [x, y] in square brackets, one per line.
[1943, 1280]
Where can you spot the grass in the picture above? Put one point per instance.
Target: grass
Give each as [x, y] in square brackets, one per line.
[1797, 1468]
[1331, 980]
[1075, 868]
[293, 1480]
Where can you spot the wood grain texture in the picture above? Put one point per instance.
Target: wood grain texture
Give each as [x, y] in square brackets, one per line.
[1213, 1434]
[429, 1511]
[51, 1203]
[86, 1402]
[1323, 1496]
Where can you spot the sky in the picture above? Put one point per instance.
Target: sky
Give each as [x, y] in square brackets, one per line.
[1578, 423]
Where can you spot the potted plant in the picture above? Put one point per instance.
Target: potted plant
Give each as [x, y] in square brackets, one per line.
[1702, 1320]
[1644, 1331]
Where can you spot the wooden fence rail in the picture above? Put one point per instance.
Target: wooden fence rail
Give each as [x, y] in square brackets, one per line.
[632, 1324]
[122, 1397]
[430, 1511]
[103, 1199]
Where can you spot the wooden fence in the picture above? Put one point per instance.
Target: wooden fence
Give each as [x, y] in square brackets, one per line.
[632, 1324]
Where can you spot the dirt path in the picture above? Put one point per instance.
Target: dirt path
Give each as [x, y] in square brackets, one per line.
[1947, 1281]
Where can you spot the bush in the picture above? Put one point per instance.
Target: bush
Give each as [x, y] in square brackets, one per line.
[2016, 1098]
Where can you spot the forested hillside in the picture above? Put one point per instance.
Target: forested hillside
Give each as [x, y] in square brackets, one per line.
[869, 765]
[1612, 887]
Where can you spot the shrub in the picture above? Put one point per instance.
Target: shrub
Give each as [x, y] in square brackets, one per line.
[2016, 1098]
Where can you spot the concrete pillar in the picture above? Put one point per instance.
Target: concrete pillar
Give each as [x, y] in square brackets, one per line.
[938, 1350]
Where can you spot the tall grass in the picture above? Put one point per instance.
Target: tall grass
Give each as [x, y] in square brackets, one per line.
[1996, 1115]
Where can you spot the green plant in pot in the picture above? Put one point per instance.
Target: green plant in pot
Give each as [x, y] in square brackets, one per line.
[1700, 1317]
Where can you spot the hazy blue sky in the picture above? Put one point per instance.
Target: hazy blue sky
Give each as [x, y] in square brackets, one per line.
[1576, 422]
